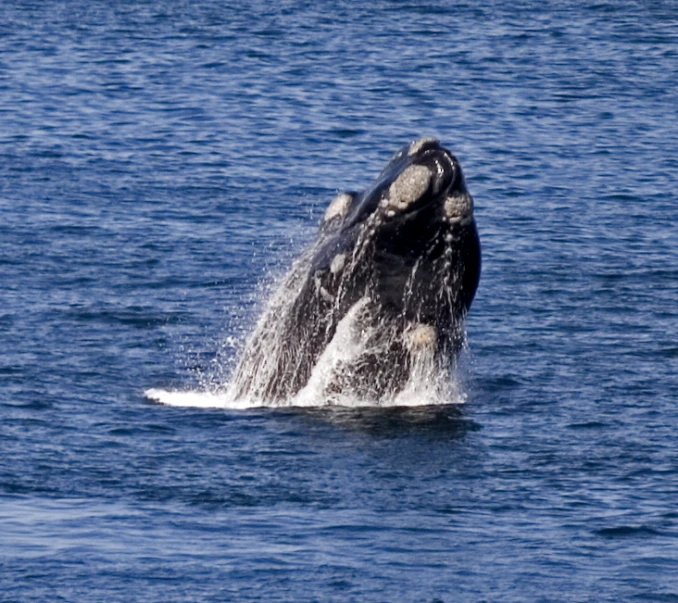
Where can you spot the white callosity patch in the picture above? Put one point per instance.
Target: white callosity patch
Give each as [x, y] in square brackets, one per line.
[420, 142]
[408, 187]
[458, 208]
[338, 263]
[420, 336]
[338, 207]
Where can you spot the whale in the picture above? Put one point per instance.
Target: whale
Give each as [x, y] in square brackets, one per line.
[379, 298]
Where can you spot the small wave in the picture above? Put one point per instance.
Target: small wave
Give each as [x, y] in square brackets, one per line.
[625, 531]
[195, 399]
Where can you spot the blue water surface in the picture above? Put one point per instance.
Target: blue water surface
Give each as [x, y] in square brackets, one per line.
[161, 162]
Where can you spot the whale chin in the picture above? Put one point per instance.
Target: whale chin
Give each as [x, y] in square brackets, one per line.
[387, 282]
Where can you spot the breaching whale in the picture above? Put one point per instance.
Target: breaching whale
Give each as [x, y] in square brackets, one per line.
[380, 296]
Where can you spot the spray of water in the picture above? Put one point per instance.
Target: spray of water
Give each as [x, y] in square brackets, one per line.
[372, 313]
[335, 346]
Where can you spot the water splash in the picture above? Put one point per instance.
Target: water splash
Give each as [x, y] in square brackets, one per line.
[353, 368]
[372, 313]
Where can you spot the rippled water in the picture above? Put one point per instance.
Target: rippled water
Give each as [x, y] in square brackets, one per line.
[161, 163]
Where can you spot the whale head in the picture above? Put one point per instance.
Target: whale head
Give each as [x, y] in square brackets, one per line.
[414, 230]
[421, 177]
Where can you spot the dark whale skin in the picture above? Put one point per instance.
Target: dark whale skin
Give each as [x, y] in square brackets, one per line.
[403, 256]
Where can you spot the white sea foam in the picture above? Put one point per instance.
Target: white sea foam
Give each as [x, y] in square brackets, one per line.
[428, 384]
[193, 399]
[410, 397]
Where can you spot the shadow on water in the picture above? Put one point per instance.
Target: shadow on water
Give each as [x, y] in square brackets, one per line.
[435, 421]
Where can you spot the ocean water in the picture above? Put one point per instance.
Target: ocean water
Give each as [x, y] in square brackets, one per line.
[161, 165]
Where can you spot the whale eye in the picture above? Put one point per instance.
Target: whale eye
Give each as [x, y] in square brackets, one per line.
[444, 173]
[440, 169]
